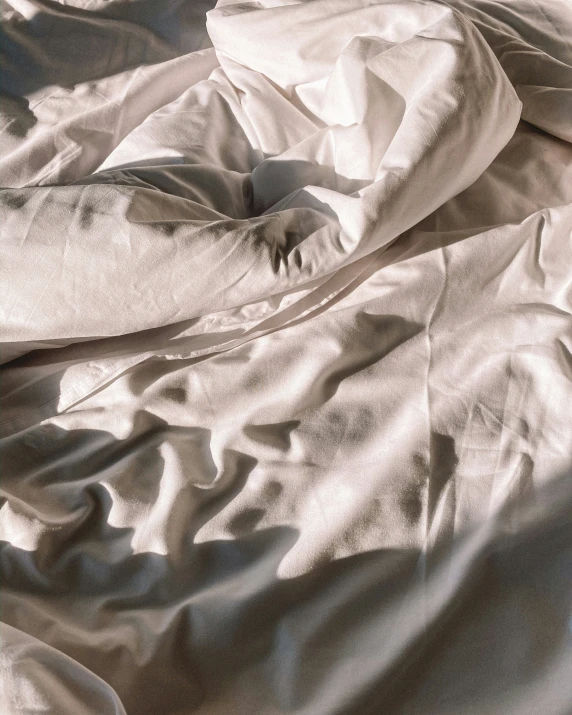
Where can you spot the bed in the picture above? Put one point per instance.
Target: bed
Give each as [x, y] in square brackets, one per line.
[286, 357]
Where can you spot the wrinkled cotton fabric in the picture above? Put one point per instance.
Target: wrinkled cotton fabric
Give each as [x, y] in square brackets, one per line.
[286, 338]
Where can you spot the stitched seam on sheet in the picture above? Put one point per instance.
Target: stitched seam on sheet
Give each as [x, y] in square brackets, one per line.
[437, 304]
[14, 423]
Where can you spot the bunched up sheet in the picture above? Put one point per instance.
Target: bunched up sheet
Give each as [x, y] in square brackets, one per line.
[325, 133]
[286, 339]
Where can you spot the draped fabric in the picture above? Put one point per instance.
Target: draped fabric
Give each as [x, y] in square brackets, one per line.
[286, 357]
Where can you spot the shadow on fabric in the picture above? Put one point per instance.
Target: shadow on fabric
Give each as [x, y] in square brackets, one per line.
[381, 631]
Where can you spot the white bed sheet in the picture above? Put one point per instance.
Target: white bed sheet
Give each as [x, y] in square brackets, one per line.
[285, 311]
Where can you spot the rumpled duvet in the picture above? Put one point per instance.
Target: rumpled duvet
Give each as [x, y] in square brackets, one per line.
[286, 345]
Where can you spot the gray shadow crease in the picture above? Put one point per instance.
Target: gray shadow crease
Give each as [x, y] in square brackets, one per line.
[374, 337]
[267, 189]
[274, 180]
[216, 610]
[226, 191]
[17, 117]
[443, 463]
[267, 433]
[99, 43]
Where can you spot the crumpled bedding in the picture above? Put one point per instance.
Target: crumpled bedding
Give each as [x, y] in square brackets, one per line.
[286, 346]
